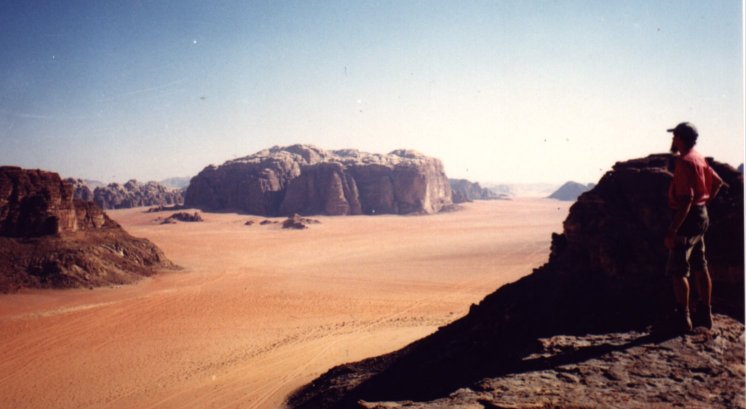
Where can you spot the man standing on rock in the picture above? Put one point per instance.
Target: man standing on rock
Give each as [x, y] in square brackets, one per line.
[694, 184]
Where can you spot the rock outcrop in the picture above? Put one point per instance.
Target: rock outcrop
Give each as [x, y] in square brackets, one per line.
[466, 191]
[570, 191]
[297, 222]
[605, 277]
[306, 180]
[135, 194]
[614, 370]
[183, 217]
[49, 239]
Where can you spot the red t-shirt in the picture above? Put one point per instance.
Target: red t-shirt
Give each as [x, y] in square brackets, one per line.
[692, 177]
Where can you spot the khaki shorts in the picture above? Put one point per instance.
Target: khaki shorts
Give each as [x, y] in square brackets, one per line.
[689, 248]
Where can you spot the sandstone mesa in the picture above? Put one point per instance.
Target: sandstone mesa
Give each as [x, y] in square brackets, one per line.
[307, 180]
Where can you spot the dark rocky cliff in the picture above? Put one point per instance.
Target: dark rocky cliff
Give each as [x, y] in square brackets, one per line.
[307, 180]
[604, 276]
[49, 239]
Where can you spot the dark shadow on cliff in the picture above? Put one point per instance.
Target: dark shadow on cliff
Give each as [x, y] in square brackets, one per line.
[495, 339]
[605, 274]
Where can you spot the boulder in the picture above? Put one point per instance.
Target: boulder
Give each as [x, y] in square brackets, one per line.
[162, 208]
[605, 276]
[50, 240]
[183, 217]
[297, 222]
[308, 180]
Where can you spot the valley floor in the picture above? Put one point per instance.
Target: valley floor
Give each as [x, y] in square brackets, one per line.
[258, 311]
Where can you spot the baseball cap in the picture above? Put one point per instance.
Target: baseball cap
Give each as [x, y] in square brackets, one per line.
[685, 129]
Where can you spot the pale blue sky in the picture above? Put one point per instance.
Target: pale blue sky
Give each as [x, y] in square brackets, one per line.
[501, 91]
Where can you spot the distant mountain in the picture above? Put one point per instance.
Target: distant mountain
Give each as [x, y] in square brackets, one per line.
[176, 182]
[93, 183]
[81, 189]
[570, 191]
[135, 194]
[523, 189]
[131, 194]
[465, 191]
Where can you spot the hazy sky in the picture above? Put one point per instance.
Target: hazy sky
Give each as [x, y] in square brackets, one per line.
[501, 91]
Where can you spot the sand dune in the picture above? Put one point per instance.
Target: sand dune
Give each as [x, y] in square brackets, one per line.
[258, 311]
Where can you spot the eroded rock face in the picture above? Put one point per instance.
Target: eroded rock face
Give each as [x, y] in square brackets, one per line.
[466, 191]
[37, 203]
[307, 180]
[48, 239]
[605, 275]
[135, 194]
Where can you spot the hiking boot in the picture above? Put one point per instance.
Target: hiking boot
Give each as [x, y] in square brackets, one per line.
[703, 316]
[676, 322]
[681, 321]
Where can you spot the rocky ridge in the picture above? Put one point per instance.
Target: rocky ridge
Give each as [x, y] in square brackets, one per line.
[48, 239]
[135, 194]
[466, 191]
[596, 299]
[307, 180]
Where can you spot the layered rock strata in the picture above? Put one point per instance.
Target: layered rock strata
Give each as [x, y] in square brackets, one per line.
[50, 240]
[605, 275]
[306, 180]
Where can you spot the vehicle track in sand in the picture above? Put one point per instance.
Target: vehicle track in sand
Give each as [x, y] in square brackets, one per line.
[258, 311]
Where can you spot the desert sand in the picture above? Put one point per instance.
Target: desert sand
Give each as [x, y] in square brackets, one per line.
[258, 311]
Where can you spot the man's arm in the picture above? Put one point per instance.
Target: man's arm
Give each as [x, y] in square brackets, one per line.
[717, 183]
[678, 219]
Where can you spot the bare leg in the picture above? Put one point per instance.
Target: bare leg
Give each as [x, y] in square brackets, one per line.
[681, 292]
[704, 286]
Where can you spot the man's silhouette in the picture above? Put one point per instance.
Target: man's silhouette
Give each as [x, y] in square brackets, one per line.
[694, 184]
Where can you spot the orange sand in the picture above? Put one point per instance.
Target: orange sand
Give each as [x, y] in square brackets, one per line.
[258, 311]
